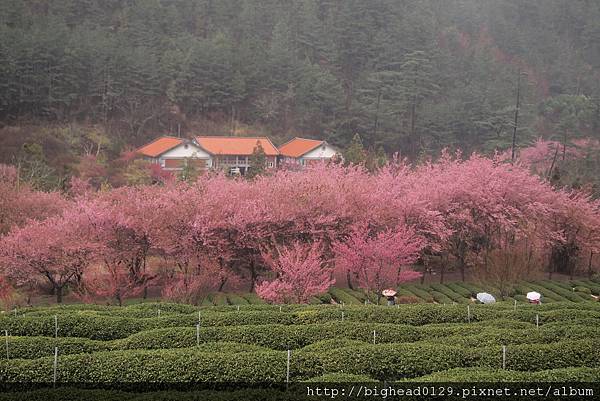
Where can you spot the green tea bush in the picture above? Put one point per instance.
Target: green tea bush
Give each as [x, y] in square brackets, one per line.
[181, 365]
[547, 294]
[533, 357]
[441, 298]
[424, 295]
[407, 299]
[471, 287]
[326, 345]
[234, 299]
[218, 299]
[583, 290]
[395, 361]
[225, 363]
[454, 296]
[283, 337]
[340, 378]
[457, 289]
[565, 293]
[581, 374]
[593, 287]
[38, 347]
[342, 297]
[279, 337]
[89, 324]
[253, 299]
[360, 295]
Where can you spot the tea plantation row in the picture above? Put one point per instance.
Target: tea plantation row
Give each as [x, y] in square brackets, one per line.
[456, 292]
[103, 344]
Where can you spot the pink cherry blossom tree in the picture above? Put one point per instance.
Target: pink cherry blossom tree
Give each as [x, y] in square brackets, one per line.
[301, 274]
[19, 203]
[56, 251]
[120, 224]
[377, 258]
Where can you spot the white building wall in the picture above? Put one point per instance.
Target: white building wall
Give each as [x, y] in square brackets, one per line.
[324, 151]
[183, 152]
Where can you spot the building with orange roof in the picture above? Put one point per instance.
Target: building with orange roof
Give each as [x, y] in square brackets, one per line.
[172, 153]
[233, 153]
[304, 151]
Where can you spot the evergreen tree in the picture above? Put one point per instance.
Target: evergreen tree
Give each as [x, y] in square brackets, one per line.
[257, 161]
[355, 153]
[189, 172]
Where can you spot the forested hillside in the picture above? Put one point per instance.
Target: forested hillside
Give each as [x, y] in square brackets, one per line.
[92, 77]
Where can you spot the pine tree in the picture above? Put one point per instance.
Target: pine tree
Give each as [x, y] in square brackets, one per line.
[189, 172]
[355, 153]
[257, 161]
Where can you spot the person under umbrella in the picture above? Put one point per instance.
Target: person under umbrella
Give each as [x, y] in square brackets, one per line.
[534, 297]
[390, 294]
[485, 298]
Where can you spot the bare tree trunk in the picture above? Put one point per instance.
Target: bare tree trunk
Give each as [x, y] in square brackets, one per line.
[349, 279]
[59, 294]
[377, 114]
[253, 276]
[514, 137]
[413, 117]
[222, 285]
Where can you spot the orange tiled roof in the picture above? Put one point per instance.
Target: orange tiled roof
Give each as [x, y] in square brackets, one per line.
[299, 146]
[159, 146]
[234, 145]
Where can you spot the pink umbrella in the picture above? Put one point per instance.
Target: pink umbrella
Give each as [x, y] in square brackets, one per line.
[389, 293]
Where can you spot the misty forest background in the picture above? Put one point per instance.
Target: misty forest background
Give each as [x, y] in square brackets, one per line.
[90, 77]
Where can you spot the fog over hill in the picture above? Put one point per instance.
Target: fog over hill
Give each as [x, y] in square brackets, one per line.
[89, 76]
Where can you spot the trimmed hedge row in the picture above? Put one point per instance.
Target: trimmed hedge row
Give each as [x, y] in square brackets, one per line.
[581, 374]
[547, 294]
[108, 327]
[76, 394]
[440, 298]
[512, 337]
[174, 365]
[566, 293]
[593, 287]
[253, 299]
[342, 297]
[420, 292]
[150, 310]
[340, 378]
[559, 292]
[99, 327]
[471, 287]
[462, 291]
[396, 361]
[313, 336]
[39, 347]
[454, 296]
[382, 362]
[141, 310]
[236, 300]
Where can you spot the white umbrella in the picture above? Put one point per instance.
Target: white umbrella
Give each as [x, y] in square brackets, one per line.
[485, 298]
[388, 293]
[534, 296]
